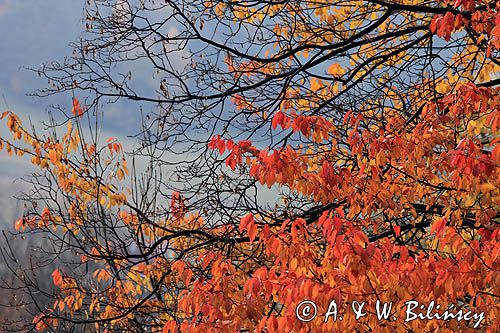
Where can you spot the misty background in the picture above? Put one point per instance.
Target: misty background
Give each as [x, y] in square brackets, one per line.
[35, 32]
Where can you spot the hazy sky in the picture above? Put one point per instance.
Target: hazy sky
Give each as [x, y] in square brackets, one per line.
[40, 31]
[33, 32]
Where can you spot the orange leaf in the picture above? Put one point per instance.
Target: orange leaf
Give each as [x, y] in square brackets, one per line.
[178, 266]
[252, 231]
[397, 230]
[169, 327]
[438, 226]
[20, 224]
[57, 277]
[245, 221]
[77, 109]
[336, 70]
[46, 213]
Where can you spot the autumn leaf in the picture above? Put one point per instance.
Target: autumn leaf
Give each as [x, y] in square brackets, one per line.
[77, 110]
[336, 70]
[57, 278]
[20, 224]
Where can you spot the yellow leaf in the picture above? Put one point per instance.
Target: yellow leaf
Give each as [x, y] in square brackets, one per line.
[336, 70]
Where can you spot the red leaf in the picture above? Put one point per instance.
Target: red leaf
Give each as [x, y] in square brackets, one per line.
[397, 230]
[447, 26]
[435, 23]
[278, 119]
[245, 221]
[169, 327]
[57, 277]
[252, 231]
[438, 226]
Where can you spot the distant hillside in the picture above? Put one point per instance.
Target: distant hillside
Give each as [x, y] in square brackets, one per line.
[10, 208]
